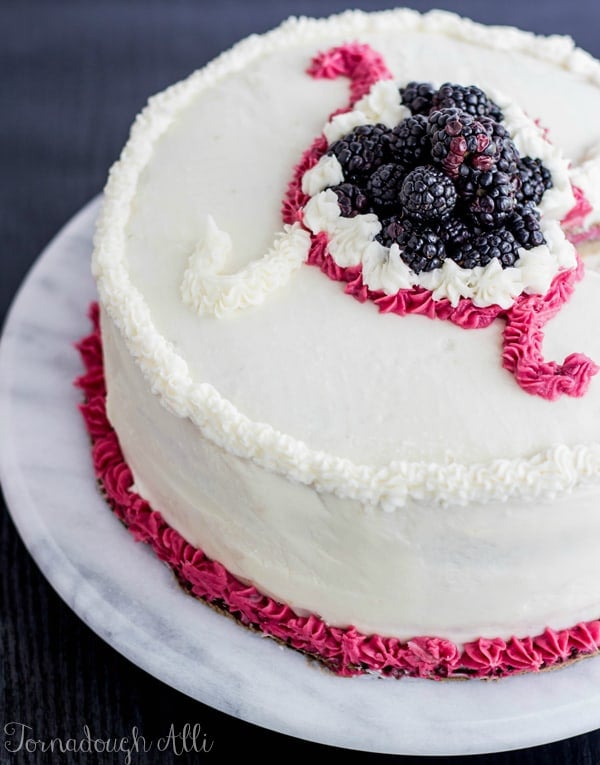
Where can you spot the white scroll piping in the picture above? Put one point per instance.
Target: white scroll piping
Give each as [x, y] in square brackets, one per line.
[210, 292]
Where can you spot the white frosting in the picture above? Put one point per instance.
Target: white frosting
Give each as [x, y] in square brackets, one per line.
[327, 172]
[384, 269]
[173, 369]
[587, 177]
[209, 291]
[351, 237]
[340, 124]
[382, 104]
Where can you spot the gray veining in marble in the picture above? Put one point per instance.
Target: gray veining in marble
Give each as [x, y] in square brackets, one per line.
[132, 601]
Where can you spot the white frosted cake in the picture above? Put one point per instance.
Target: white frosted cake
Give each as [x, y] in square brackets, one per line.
[349, 342]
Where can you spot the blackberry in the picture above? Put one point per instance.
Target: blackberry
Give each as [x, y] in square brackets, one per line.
[468, 181]
[362, 151]
[494, 199]
[508, 158]
[535, 179]
[427, 194]
[454, 233]
[351, 199]
[480, 250]
[417, 96]
[391, 231]
[524, 224]
[507, 155]
[469, 98]
[503, 155]
[409, 143]
[421, 250]
[457, 137]
[384, 186]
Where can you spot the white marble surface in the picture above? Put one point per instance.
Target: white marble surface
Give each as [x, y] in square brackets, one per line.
[132, 601]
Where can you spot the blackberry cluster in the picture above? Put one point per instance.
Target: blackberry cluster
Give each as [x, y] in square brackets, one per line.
[392, 230]
[457, 139]
[525, 227]
[422, 248]
[409, 142]
[455, 232]
[468, 99]
[535, 179]
[478, 251]
[427, 195]
[418, 97]
[351, 199]
[446, 182]
[384, 186]
[507, 154]
[494, 199]
[362, 151]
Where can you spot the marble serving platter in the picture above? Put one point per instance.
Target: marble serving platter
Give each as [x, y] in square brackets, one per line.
[129, 598]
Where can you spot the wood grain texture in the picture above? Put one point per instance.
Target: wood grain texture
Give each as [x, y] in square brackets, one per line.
[73, 76]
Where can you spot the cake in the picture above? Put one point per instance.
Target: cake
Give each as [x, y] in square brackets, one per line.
[343, 372]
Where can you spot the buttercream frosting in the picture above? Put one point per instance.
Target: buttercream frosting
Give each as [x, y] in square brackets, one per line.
[208, 290]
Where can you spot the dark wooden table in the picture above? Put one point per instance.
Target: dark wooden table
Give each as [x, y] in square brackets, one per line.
[73, 74]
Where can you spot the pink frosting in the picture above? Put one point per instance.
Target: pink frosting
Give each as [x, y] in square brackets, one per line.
[590, 234]
[346, 651]
[485, 657]
[545, 130]
[362, 65]
[553, 647]
[523, 339]
[576, 216]
[525, 319]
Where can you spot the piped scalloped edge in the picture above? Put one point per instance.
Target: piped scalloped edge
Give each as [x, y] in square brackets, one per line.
[344, 651]
[555, 470]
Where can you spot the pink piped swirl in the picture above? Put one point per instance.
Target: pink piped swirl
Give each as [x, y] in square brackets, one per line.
[575, 218]
[525, 319]
[345, 651]
[362, 65]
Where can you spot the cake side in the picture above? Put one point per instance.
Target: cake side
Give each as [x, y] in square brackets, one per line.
[346, 651]
[462, 572]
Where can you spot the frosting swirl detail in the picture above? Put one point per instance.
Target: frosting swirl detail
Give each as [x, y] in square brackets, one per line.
[210, 292]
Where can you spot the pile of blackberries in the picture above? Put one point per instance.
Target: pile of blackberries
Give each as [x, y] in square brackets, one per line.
[447, 182]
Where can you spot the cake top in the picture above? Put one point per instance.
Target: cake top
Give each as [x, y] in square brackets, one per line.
[384, 409]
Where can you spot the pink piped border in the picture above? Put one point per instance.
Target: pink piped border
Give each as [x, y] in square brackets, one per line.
[525, 319]
[580, 236]
[345, 651]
